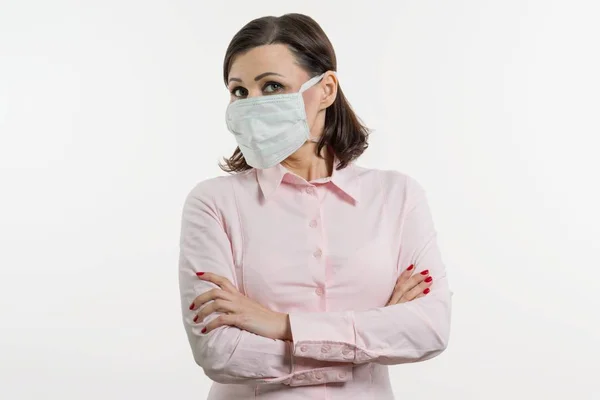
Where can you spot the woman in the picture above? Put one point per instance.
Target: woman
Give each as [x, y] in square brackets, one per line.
[302, 275]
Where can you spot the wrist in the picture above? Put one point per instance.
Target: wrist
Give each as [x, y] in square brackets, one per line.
[286, 327]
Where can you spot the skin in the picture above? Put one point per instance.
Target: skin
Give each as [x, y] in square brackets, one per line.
[287, 77]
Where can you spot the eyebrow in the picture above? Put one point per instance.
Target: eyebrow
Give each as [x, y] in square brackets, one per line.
[257, 78]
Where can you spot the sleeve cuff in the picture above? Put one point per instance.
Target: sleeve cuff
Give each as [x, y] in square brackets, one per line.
[324, 336]
[322, 375]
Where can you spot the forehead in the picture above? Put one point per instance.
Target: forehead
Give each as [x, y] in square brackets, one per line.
[268, 58]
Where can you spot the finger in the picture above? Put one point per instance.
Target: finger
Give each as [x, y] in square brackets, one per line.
[404, 276]
[421, 289]
[417, 290]
[223, 306]
[398, 292]
[413, 281]
[212, 294]
[423, 293]
[221, 320]
[402, 290]
[218, 280]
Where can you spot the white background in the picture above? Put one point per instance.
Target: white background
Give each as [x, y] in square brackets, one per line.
[111, 111]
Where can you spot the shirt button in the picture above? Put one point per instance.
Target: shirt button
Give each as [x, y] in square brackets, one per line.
[342, 375]
[346, 352]
[313, 224]
[310, 190]
[325, 349]
[300, 377]
[319, 375]
[319, 291]
[304, 349]
[318, 253]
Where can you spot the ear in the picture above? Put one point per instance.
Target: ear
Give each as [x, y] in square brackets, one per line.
[329, 84]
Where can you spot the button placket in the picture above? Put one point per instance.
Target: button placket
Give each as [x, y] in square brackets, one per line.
[316, 234]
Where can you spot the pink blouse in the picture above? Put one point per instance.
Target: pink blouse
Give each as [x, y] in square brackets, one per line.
[328, 252]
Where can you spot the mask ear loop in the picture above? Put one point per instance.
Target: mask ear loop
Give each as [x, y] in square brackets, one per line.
[307, 85]
[313, 81]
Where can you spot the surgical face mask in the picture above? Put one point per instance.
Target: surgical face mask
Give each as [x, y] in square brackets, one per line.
[268, 129]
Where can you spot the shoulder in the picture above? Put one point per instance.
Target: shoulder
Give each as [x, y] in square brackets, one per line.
[217, 190]
[394, 184]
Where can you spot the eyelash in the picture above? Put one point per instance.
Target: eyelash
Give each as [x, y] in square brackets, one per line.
[279, 88]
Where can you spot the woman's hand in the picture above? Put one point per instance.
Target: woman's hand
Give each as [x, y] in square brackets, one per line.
[239, 310]
[409, 287]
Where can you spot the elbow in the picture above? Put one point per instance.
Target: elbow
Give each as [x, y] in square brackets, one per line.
[414, 352]
[444, 339]
[440, 334]
[436, 347]
[214, 369]
[441, 346]
[218, 376]
[438, 324]
[432, 336]
[430, 353]
[213, 362]
[440, 337]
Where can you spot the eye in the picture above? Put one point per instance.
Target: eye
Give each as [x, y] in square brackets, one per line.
[272, 87]
[239, 91]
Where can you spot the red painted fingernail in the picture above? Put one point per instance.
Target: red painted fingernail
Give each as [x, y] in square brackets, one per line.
[425, 272]
[411, 267]
[428, 279]
[426, 291]
[196, 318]
[203, 330]
[192, 306]
[199, 273]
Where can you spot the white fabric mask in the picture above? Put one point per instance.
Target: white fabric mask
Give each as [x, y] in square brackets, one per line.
[268, 129]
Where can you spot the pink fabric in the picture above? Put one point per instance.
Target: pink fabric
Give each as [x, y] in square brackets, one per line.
[328, 252]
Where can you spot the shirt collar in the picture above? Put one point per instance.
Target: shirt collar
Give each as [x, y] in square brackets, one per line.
[346, 179]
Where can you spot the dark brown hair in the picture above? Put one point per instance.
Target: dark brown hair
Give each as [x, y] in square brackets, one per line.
[344, 133]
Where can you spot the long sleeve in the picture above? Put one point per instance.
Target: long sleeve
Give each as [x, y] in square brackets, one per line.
[408, 332]
[228, 354]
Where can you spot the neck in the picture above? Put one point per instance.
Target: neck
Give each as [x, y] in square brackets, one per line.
[306, 164]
